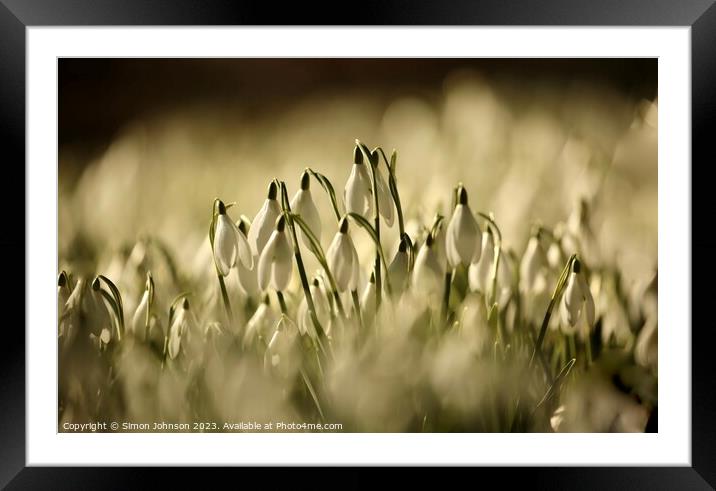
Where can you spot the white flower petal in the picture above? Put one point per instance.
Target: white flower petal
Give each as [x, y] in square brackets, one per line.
[225, 244]
[357, 193]
[139, 320]
[428, 272]
[245, 256]
[265, 263]
[531, 264]
[462, 237]
[398, 272]
[248, 278]
[263, 225]
[385, 200]
[341, 255]
[302, 204]
[282, 263]
[480, 272]
[573, 299]
[588, 300]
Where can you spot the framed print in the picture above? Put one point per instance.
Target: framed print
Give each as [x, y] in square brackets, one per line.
[416, 239]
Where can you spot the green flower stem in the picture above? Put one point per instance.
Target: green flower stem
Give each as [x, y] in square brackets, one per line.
[321, 256]
[330, 191]
[282, 303]
[572, 346]
[376, 220]
[444, 312]
[225, 297]
[356, 308]
[498, 254]
[150, 304]
[299, 263]
[393, 184]
[558, 289]
[222, 284]
[373, 160]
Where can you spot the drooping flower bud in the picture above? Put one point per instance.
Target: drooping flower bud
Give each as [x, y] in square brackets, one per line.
[479, 274]
[263, 224]
[248, 278]
[276, 259]
[532, 263]
[429, 270]
[230, 245]
[302, 204]
[576, 300]
[367, 301]
[357, 194]
[462, 241]
[343, 259]
[398, 272]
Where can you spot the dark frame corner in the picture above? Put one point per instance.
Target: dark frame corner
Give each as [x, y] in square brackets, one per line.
[16, 15]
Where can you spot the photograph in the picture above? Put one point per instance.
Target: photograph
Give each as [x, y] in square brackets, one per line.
[357, 245]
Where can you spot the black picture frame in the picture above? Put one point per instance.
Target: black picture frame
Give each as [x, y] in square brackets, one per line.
[700, 15]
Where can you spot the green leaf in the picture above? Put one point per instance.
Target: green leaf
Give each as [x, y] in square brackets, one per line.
[314, 396]
[117, 297]
[115, 308]
[360, 220]
[328, 188]
[316, 248]
[172, 306]
[557, 381]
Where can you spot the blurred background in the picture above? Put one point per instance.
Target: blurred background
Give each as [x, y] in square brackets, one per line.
[145, 145]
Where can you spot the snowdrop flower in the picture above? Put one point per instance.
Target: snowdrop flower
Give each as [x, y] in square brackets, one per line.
[179, 330]
[357, 194]
[532, 263]
[385, 199]
[302, 204]
[276, 260]
[462, 244]
[230, 245]
[439, 239]
[323, 311]
[398, 269]
[260, 324]
[367, 300]
[429, 270]
[577, 298]
[281, 352]
[343, 259]
[139, 320]
[264, 221]
[248, 278]
[480, 272]
[63, 291]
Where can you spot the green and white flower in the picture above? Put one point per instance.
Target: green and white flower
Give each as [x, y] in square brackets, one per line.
[248, 277]
[302, 204]
[357, 194]
[276, 259]
[479, 274]
[429, 270]
[264, 221]
[577, 300]
[533, 261]
[398, 270]
[343, 259]
[462, 241]
[230, 245]
[179, 330]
